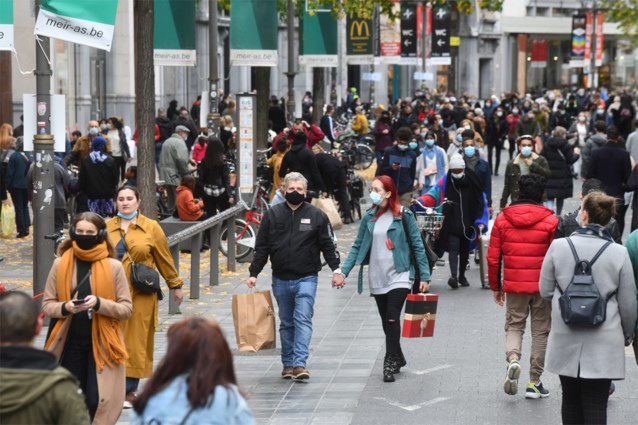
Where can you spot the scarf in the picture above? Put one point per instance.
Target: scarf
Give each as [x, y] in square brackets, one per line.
[108, 348]
[97, 156]
[595, 230]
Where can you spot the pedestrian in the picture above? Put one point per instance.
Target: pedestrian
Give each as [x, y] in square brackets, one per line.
[99, 176]
[526, 162]
[334, 174]
[481, 168]
[388, 235]
[189, 208]
[35, 389]
[293, 234]
[519, 240]
[460, 198]
[213, 179]
[383, 136]
[172, 112]
[611, 164]
[560, 157]
[174, 163]
[279, 149]
[301, 160]
[195, 382]
[131, 176]
[277, 115]
[624, 116]
[432, 165]
[199, 150]
[88, 295]
[120, 149]
[399, 163]
[326, 124]
[435, 125]
[84, 145]
[17, 184]
[595, 141]
[587, 359]
[185, 120]
[495, 136]
[512, 123]
[313, 133]
[360, 122]
[227, 132]
[139, 239]
[577, 133]
[569, 223]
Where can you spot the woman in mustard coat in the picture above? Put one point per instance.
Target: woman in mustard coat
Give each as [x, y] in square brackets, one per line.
[146, 244]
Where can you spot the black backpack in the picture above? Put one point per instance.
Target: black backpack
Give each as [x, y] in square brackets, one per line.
[581, 304]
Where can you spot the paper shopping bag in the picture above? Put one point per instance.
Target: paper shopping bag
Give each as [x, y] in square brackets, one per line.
[327, 205]
[420, 315]
[8, 221]
[254, 320]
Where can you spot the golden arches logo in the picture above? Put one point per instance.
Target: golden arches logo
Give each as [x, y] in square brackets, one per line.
[361, 29]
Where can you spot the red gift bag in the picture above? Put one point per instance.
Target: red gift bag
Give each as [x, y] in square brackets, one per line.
[420, 315]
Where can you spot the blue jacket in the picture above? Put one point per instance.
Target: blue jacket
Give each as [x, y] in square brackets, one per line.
[17, 171]
[360, 252]
[404, 176]
[171, 405]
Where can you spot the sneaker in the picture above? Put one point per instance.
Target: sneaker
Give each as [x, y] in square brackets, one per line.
[300, 372]
[453, 283]
[128, 400]
[511, 381]
[287, 373]
[463, 282]
[536, 391]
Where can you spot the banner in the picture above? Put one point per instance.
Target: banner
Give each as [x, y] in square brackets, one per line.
[87, 22]
[253, 33]
[359, 40]
[441, 35]
[408, 30]
[539, 54]
[6, 24]
[579, 23]
[600, 39]
[390, 38]
[319, 40]
[174, 33]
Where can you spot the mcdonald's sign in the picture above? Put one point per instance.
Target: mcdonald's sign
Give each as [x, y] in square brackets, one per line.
[359, 36]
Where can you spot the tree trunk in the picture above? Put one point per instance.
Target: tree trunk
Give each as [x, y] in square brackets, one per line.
[318, 93]
[6, 95]
[145, 106]
[262, 74]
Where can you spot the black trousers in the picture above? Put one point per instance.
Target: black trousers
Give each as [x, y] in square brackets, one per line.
[339, 187]
[584, 400]
[120, 163]
[497, 150]
[459, 249]
[78, 359]
[390, 306]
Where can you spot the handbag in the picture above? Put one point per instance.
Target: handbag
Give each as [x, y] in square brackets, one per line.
[143, 278]
[254, 321]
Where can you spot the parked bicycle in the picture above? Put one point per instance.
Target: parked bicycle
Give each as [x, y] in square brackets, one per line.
[358, 155]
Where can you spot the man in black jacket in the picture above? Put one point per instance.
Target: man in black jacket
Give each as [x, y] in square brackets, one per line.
[185, 120]
[165, 131]
[293, 234]
[334, 176]
[301, 160]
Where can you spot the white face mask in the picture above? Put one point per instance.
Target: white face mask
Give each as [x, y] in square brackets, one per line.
[458, 175]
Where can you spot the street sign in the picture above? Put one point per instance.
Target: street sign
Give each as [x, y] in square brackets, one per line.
[424, 76]
[408, 31]
[371, 76]
[441, 31]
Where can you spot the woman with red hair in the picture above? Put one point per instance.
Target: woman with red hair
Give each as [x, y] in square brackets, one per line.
[384, 245]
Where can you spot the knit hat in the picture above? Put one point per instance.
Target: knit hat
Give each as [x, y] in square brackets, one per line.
[457, 162]
[98, 143]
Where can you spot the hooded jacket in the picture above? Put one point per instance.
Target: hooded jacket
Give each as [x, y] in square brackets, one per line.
[187, 208]
[519, 240]
[594, 142]
[560, 156]
[35, 390]
[301, 159]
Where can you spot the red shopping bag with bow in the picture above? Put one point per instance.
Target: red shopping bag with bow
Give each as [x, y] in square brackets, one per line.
[420, 315]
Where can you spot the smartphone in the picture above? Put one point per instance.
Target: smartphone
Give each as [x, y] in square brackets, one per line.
[80, 301]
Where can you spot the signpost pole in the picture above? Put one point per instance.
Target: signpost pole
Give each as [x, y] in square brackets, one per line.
[212, 119]
[290, 106]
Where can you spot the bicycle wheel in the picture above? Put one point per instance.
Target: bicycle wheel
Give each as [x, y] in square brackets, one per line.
[244, 239]
[363, 157]
[262, 205]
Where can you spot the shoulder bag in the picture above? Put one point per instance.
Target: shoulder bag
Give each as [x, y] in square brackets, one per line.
[143, 278]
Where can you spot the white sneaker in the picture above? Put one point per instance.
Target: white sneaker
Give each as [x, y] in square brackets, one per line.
[511, 381]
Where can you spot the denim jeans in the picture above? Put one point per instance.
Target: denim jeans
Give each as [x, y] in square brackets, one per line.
[296, 300]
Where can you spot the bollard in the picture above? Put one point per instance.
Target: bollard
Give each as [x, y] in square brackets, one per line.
[214, 255]
[230, 244]
[196, 244]
[173, 308]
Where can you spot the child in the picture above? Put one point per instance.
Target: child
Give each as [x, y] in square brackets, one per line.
[189, 209]
[131, 176]
[199, 150]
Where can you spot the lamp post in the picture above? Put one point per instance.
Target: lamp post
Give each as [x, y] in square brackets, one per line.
[592, 68]
[290, 106]
[212, 119]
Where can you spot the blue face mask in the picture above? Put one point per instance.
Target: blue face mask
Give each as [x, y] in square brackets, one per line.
[127, 216]
[469, 151]
[429, 143]
[413, 145]
[93, 131]
[375, 198]
[441, 122]
[459, 138]
[526, 150]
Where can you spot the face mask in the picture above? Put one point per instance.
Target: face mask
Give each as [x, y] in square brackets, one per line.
[440, 122]
[85, 242]
[467, 127]
[413, 145]
[535, 110]
[423, 135]
[109, 126]
[526, 150]
[499, 114]
[488, 105]
[561, 112]
[429, 143]
[402, 147]
[601, 111]
[458, 175]
[469, 151]
[127, 216]
[459, 138]
[104, 128]
[375, 198]
[93, 131]
[295, 198]
[581, 119]
[515, 111]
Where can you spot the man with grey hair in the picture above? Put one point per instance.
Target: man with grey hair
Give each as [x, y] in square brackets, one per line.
[34, 389]
[174, 163]
[293, 234]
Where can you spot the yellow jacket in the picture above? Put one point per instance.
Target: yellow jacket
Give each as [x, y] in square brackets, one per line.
[147, 245]
[274, 162]
[360, 124]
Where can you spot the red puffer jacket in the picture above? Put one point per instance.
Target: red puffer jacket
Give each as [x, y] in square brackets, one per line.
[521, 236]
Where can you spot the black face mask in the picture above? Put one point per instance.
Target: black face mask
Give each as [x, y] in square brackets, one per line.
[295, 198]
[85, 242]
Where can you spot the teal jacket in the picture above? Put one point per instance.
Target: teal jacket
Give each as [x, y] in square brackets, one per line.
[360, 252]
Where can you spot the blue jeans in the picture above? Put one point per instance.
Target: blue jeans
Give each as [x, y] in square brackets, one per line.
[296, 300]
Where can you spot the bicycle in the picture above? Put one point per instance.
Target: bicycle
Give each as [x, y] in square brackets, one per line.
[429, 222]
[57, 239]
[245, 235]
[266, 181]
[357, 155]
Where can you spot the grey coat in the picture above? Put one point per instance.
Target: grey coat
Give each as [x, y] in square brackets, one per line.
[600, 351]
[173, 160]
